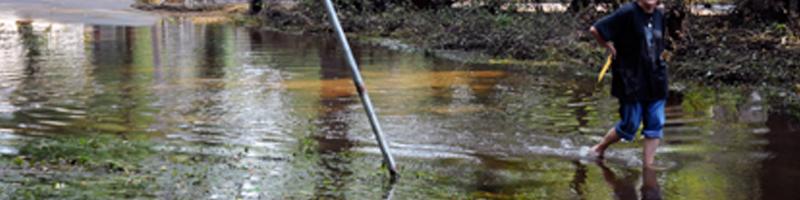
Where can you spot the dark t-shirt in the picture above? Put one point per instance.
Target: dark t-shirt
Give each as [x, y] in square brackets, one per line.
[639, 73]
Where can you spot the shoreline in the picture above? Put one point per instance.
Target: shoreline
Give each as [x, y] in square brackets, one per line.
[682, 69]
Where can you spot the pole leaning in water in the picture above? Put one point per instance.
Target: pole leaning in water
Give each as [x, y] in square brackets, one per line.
[362, 92]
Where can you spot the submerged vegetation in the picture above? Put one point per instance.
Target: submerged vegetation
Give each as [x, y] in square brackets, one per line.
[98, 152]
[60, 167]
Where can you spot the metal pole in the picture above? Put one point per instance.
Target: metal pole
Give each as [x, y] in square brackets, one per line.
[362, 92]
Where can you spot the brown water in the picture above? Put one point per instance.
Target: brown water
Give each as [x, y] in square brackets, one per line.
[233, 112]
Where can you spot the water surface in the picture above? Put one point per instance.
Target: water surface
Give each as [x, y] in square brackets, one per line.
[235, 112]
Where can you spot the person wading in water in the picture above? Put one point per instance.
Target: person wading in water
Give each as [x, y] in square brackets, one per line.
[634, 35]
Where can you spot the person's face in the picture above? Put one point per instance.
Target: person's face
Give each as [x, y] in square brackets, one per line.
[649, 3]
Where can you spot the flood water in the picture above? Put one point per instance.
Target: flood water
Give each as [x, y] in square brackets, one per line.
[231, 112]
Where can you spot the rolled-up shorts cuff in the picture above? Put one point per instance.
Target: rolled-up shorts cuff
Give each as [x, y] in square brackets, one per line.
[625, 135]
[653, 134]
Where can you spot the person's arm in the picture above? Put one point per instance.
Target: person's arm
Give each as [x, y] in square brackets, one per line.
[608, 28]
[600, 40]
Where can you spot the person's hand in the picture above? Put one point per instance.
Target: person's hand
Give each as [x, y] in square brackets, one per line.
[666, 56]
[611, 49]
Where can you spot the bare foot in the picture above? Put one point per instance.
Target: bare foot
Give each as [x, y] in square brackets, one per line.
[649, 152]
[653, 167]
[598, 151]
[649, 167]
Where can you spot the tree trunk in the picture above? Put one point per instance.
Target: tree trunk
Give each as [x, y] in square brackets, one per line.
[256, 6]
[578, 5]
[675, 14]
[432, 4]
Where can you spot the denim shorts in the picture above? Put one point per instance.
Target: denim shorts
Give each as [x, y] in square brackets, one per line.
[650, 113]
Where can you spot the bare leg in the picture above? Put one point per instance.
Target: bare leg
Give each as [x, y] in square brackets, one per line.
[650, 146]
[610, 138]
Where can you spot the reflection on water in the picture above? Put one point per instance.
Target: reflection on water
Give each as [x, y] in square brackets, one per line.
[624, 187]
[235, 112]
[333, 124]
[650, 188]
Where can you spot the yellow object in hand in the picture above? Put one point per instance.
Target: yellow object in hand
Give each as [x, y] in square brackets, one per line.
[605, 69]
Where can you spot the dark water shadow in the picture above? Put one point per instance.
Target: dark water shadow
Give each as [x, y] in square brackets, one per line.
[624, 187]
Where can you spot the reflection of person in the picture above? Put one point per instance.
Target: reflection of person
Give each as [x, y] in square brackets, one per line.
[650, 189]
[624, 188]
[633, 34]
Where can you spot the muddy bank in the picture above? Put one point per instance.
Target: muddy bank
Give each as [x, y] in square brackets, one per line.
[188, 5]
[712, 49]
[717, 50]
